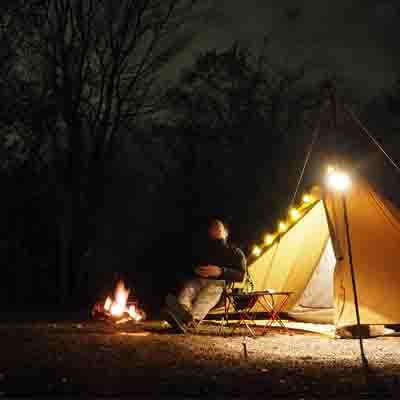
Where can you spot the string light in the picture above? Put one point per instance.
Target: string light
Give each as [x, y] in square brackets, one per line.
[256, 251]
[294, 214]
[307, 199]
[269, 239]
[282, 227]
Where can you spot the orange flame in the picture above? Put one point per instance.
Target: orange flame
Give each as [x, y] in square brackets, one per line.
[108, 303]
[118, 307]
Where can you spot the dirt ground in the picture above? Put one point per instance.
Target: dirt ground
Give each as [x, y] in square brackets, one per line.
[143, 360]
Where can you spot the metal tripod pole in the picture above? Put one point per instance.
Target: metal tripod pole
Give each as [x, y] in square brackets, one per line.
[353, 281]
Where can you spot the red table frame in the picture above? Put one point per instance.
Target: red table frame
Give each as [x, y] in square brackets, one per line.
[266, 300]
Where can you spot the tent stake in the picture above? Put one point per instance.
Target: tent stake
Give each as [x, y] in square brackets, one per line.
[353, 281]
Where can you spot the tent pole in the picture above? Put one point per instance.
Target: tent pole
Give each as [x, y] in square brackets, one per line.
[353, 281]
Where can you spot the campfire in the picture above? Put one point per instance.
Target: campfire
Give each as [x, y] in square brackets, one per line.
[118, 309]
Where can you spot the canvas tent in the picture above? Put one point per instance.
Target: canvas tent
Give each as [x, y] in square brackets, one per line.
[311, 260]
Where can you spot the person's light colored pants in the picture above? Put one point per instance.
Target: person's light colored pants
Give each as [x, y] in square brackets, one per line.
[199, 296]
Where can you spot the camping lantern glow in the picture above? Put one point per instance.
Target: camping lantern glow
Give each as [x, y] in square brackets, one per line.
[330, 169]
[338, 181]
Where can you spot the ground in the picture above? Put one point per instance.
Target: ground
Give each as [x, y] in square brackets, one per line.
[99, 359]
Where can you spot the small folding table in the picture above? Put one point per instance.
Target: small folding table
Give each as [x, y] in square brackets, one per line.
[244, 305]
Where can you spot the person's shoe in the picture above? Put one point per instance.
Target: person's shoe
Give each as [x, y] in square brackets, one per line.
[178, 309]
[177, 326]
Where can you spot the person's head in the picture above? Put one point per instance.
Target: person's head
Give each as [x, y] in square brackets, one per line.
[217, 230]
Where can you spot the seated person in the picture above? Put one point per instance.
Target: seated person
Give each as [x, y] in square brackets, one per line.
[218, 263]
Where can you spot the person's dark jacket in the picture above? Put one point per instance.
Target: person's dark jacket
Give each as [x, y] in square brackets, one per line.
[231, 259]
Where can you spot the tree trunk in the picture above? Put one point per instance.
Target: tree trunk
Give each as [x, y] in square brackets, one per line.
[64, 251]
[73, 239]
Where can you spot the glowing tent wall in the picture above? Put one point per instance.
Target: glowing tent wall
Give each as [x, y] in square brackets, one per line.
[375, 240]
[289, 264]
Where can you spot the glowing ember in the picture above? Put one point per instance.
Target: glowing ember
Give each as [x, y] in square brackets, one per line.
[118, 309]
[133, 313]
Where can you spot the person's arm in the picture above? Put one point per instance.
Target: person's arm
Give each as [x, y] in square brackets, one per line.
[237, 271]
[233, 273]
[209, 271]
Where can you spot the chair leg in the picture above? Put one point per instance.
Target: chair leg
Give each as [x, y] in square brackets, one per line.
[225, 318]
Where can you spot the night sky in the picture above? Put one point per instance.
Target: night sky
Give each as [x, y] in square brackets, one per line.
[355, 39]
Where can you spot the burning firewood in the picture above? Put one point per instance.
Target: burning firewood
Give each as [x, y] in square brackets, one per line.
[118, 310]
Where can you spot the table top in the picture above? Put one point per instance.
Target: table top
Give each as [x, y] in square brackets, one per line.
[260, 293]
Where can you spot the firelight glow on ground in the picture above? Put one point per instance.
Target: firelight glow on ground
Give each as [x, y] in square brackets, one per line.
[97, 359]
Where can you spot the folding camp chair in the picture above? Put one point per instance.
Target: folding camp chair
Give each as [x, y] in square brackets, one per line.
[222, 302]
[226, 303]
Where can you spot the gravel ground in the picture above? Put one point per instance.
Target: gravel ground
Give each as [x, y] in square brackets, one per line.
[97, 359]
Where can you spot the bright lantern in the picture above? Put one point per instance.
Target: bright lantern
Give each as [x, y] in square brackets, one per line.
[330, 169]
[256, 251]
[338, 181]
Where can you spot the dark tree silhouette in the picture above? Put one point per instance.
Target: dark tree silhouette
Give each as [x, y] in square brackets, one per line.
[392, 98]
[99, 62]
[241, 118]
[23, 155]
